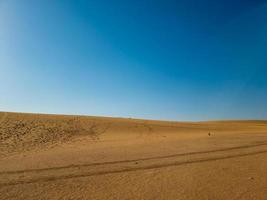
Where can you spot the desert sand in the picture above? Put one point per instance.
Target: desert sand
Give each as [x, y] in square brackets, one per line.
[80, 157]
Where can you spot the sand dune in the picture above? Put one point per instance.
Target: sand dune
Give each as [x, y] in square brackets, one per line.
[80, 157]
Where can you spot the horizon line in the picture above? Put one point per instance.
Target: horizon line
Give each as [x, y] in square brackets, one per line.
[135, 118]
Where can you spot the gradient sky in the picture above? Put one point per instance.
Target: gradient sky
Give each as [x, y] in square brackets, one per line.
[173, 60]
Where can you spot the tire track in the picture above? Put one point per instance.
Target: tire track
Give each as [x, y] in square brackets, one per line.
[76, 171]
[136, 160]
[48, 179]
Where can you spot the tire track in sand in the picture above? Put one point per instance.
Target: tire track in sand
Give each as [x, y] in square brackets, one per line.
[136, 160]
[10, 178]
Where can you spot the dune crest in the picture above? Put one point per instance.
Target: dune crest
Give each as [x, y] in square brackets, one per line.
[55, 156]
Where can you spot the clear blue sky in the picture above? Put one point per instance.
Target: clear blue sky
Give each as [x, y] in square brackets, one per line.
[174, 60]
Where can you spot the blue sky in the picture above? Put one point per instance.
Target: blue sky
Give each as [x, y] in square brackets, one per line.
[173, 60]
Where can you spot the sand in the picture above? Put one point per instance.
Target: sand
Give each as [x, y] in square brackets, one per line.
[80, 157]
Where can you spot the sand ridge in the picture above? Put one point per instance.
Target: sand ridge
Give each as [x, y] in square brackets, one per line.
[41, 156]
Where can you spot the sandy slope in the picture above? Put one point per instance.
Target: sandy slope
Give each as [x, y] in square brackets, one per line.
[78, 157]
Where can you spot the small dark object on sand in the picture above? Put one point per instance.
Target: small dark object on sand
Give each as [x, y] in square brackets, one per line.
[209, 134]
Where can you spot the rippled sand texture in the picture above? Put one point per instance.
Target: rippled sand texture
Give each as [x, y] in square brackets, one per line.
[79, 157]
